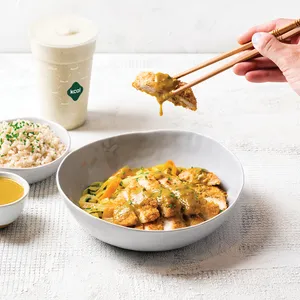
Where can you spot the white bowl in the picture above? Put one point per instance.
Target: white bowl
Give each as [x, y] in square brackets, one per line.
[99, 160]
[35, 174]
[11, 211]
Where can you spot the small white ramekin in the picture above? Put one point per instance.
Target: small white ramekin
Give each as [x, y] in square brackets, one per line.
[11, 211]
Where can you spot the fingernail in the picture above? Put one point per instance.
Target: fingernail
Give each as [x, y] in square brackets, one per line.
[256, 38]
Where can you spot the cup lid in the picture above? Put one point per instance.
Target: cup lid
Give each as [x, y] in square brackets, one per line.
[65, 31]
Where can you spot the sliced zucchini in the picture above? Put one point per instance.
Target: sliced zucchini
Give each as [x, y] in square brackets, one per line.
[87, 198]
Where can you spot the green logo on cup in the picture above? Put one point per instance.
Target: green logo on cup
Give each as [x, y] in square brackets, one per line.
[75, 91]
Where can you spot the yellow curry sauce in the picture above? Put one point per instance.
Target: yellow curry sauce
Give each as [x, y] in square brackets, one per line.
[10, 191]
[163, 82]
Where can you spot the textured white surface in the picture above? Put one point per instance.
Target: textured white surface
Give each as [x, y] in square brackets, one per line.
[256, 255]
[147, 26]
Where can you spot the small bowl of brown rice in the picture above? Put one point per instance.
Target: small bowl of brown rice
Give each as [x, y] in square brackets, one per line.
[32, 148]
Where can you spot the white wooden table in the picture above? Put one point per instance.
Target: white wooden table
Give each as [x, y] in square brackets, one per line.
[256, 255]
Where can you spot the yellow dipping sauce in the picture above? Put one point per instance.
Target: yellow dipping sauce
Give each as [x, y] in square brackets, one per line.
[10, 191]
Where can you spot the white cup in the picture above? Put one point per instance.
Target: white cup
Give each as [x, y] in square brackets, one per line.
[63, 48]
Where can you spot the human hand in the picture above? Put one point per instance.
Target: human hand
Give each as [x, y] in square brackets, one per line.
[280, 61]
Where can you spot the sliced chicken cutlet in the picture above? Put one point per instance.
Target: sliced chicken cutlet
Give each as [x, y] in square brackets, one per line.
[174, 223]
[213, 194]
[185, 98]
[124, 215]
[156, 225]
[168, 203]
[154, 84]
[187, 196]
[166, 223]
[140, 226]
[160, 84]
[199, 176]
[194, 220]
[215, 200]
[144, 205]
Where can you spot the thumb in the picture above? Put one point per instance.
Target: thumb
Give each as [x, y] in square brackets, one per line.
[270, 47]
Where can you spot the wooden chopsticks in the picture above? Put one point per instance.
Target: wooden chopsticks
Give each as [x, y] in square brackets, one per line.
[282, 34]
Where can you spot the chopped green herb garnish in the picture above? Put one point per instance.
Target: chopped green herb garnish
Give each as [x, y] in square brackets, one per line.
[172, 195]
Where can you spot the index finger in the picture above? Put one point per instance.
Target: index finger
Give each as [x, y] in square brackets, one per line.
[246, 37]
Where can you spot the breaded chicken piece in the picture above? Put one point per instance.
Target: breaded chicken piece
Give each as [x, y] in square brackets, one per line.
[124, 215]
[215, 200]
[210, 210]
[159, 85]
[168, 203]
[213, 194]
[174, 223]
[145, 206]
[147, 213]
[187, 196]
[156, 225]
[185, 98]
[154, 84]
[199, 176]
[140, 226]
[194, 220]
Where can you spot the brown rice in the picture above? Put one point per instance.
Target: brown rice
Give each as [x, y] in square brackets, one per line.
[24, 144]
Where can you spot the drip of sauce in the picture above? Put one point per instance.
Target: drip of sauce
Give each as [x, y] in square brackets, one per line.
[161, 112]
[164, 84]
[10, 191]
